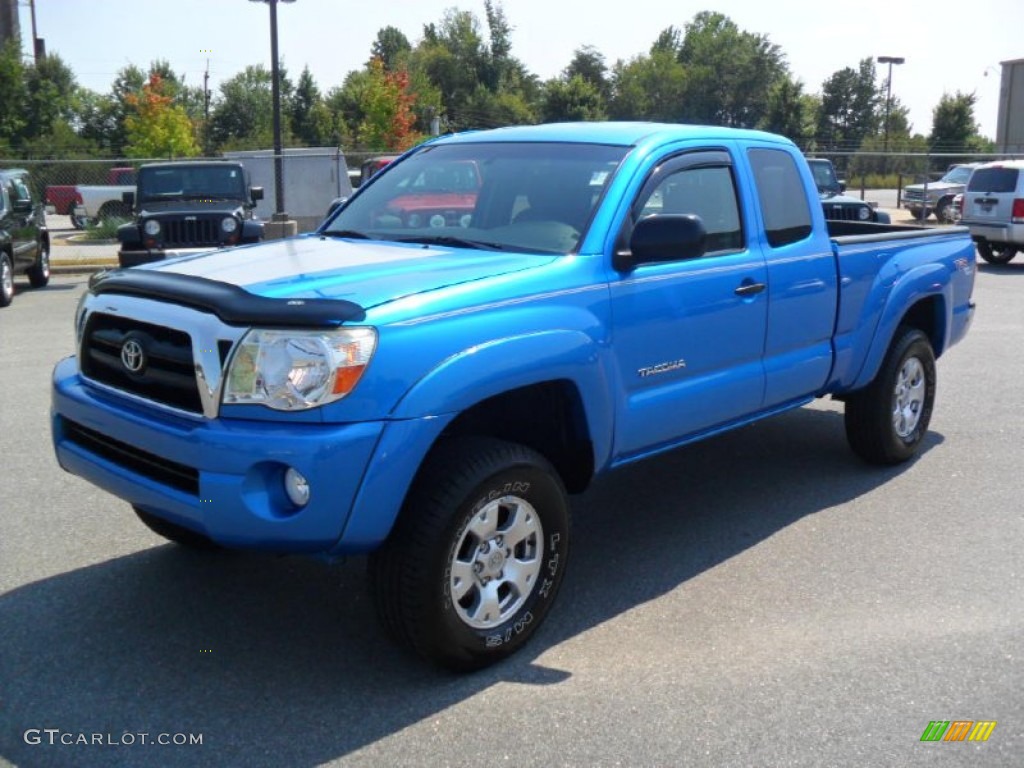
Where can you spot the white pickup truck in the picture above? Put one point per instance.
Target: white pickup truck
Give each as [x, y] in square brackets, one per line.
[104, 201]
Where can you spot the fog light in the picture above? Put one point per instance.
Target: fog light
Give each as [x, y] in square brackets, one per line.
[297, 487]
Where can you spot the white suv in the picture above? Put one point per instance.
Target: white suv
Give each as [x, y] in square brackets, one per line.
[994, 209]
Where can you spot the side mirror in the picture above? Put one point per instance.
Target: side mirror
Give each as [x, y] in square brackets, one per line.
[128, 198]
[842, 185]
[665, 237]
[256, 193]
[21, 206]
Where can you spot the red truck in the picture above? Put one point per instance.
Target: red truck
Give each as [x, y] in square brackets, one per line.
[63, 198]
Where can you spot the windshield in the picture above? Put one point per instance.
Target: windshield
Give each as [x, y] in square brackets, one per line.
[534, 197]
[824, 176]
[210, 182]
[958, 175]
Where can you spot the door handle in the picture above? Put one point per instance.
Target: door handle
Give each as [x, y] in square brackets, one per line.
[750, 289]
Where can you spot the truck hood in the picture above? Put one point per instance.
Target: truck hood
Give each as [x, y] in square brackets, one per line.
[186, 207]
[366, 273]
[937, 186]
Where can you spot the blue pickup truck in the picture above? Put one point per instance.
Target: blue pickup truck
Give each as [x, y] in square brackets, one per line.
[430, 389]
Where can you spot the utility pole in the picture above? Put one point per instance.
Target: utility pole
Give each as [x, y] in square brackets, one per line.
[890, 60]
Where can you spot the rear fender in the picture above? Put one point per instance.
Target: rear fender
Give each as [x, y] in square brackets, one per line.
[928, 283]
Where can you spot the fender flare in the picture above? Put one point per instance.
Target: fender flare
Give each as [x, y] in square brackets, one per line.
[456, 384]
[926, 282]
[480, 372]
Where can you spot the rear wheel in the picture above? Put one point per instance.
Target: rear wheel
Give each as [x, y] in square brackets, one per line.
[477, 555]
[39, 273]
[996, 253]
[887, 420]
[176, 533]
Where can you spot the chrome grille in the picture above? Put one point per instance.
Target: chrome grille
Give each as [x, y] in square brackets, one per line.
[166, 372]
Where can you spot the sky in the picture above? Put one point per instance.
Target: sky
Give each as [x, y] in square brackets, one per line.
[945, 51]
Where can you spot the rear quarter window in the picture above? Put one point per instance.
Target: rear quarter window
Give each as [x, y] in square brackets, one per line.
[787, 217]
[994, 180]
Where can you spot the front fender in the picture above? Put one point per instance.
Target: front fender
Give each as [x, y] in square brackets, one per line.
[930, 281]
[252, 231]
[501, 365]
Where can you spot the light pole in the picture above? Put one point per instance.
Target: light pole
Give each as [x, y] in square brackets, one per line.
[890, 60]
[275, 90]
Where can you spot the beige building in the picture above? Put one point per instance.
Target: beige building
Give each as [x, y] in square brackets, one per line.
[1010, 128]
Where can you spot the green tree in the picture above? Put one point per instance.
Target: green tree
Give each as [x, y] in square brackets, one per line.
[953, 124]
[572, 99]
[311, 121]
[392, 47]
[648, 88]
[388, 122]
[155, 126]
[730, 73]
[588, 63]
[243, 117]
[789, 112]
[850, 102]
[13, 96]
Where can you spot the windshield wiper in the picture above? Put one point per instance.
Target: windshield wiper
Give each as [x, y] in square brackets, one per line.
[350, 233]
[456, 242]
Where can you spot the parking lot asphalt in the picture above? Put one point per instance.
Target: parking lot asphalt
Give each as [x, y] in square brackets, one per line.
[761, 598]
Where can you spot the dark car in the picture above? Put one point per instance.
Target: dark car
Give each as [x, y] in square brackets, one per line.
[24, 239]
[188, 206]
[836, 205]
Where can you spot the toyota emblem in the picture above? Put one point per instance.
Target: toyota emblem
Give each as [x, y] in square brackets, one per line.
[133, 357]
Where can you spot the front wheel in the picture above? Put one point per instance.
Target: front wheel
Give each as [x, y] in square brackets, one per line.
[6, 279]
[887, 420]
[477, 555]
[996, 253]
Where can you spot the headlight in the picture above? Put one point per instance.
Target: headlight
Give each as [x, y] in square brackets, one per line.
[296, 370]
[864, 214]
[229, 224]
[151, 227]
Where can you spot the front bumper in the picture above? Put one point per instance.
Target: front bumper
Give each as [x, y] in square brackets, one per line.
[234, 491]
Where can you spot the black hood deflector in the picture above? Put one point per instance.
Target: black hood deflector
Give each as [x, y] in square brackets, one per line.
[232, 304]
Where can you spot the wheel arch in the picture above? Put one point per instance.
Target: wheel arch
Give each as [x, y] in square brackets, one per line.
[928, 312]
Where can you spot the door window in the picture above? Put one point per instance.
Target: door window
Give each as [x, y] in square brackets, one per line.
[707, 192]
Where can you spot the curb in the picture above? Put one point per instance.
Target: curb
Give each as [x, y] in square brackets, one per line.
[80, 268]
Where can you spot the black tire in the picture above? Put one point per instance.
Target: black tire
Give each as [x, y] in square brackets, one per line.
[39, 273]
[996, 253]
[451, 548]
[78, 222]
[921, 214]
[942, 210]
[887, 420]
[6, 279]
[176, 533]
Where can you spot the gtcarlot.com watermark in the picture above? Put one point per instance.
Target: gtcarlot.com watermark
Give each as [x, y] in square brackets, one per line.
[56, 737]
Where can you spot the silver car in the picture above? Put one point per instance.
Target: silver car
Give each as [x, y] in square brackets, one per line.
[994, 209]
[938, 197]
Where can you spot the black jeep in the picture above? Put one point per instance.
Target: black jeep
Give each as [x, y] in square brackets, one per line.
[188, 206]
